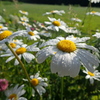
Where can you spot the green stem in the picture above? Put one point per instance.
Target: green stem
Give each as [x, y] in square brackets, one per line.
[62, 86]
[23, 67]
[88, 9]
[53, 15]
[90, 17]
[41, 98]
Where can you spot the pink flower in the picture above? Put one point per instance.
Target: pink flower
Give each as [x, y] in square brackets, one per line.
[3, 84]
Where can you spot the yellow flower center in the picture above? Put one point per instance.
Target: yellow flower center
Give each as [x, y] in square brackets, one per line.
[20, 50]
[13, 97]
[66, 46]
[93, 11]
[5, 34]
[52, 11]
[13, 45]
[24, 19]
[22, 22]
[35, 82]
[24, 12]
[1, 26]
[91, 74]
[56, 23]
[31, 33]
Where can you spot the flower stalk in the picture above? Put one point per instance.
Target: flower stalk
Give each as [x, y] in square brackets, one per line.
[23, 67]
[62, 86]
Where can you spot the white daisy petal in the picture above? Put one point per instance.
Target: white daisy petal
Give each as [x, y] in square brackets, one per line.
[28, 57]
[10, 58]
[66, 65]
[56, 28]
[87, 47]
[47, 23]
[5, 55]
[88, 76]
[50, 42]
[90, 57]
[22, 98]
[75, 67]
[56, 63]
[91, 80]
[85, 62]
[16, 61]
[44, 53]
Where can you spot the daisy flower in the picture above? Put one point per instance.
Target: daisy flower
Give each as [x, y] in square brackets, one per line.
[94, 1]
[23, 23]
[92, 76]
[24, 19]
[97, 35]
[76, 19]
[93, 13]
[2, 27]
[22, 51]
[7, 35]
[3, 84]
[45, 33]
[17, 41]
[68, 55]
[56, 24]
[23, 12]
[13, 43]
[59, 12]
[41, 25]
[32, 35]
[38, 82]
[72, 30]
[15, 93]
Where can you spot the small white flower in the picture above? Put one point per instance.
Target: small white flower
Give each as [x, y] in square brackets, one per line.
[23, 23]
[76, 19]
[22, 51]
[18, 41]
[72, 30]
[55, 24]
[44, 33]
[24, 19]
[59, 12]
[97, 35]
[92, 76]
[2, 27]
[13, 43]
[38, 82]
[93, 13]
[32, 35]
[41, 25]
[23, 12]
[94, 1]
[68, 55]
[15, 93]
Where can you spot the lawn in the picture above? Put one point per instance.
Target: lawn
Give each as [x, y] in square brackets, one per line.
[36, 12]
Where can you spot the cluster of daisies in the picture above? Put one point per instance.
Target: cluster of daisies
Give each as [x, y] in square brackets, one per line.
[68, 54]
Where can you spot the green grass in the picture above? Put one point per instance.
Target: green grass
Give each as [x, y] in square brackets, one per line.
[36, 10]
